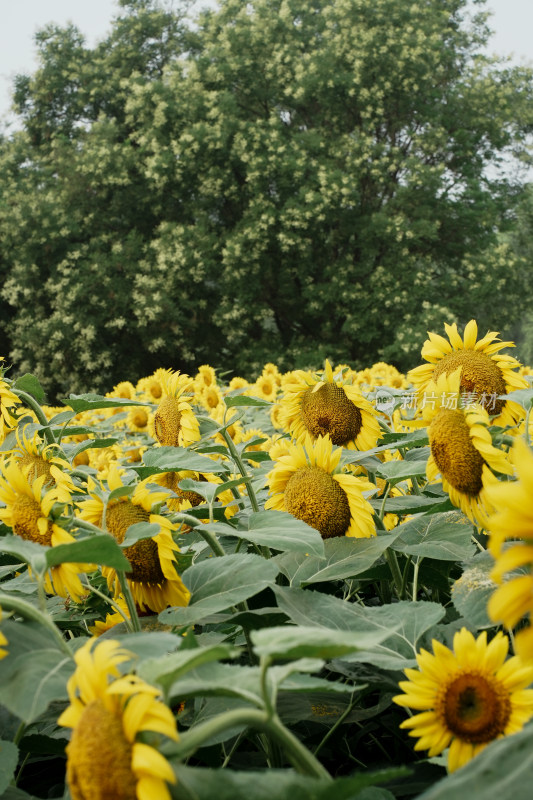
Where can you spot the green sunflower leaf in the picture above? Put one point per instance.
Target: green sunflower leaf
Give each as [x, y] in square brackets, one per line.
[280, 531]
[138, 531]
[243, 400]
[30, 384]
[91, 401]
[167, 669]
[446, 536]
[220, 583]
[296, 641]
[175, 459]
[524, 397]
[100, 549]
[9, 754]
[396, 471]
[471, 592]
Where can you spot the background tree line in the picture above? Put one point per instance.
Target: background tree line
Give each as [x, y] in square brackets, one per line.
[277, 180]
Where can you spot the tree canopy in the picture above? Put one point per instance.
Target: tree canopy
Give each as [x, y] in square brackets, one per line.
[277, 180]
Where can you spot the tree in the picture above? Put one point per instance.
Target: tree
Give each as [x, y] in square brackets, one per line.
[287, 180]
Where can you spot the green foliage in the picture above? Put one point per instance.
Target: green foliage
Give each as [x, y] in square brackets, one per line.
[281, 181]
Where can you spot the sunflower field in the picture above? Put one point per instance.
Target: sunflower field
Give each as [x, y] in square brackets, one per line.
[309, 585]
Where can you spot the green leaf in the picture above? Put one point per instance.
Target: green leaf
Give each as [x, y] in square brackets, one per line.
[166, 670]
[30, 384]
[175, 459]
[471, 592]
[91, 401]
[413, 504]
[392, 441]
[218, 583]
[280, 531]
[502, 770]
[243, 400]
[23, 549]
[33, 682]
[90, 444]
[138, 531]
[100, 549]
[523, 397]
[220, 680]
[296, 641]
[396, 471]
[401, 625]
[446, 536]
[9, 754]
[344, 557]
[205, 489]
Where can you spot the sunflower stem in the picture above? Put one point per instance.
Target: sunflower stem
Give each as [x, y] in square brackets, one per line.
[391, 559]
[404, 577]
[112, 603]
[32, 403]
[28, 611]
[415, 578]
[130, 602]
[303, 761]
[334, 727]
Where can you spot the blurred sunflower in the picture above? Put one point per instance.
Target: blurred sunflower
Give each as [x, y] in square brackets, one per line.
[153, 579]
[108, 756]
[139, 419]
[322, 405]
[205, 377]
[513, 519]
[467, 696]
[35, 459]
[30, 513]
[8, 403]
[461, 448]
[151, 387]
[486, 373]
[175, 424]
[307, 482]
[3, 641]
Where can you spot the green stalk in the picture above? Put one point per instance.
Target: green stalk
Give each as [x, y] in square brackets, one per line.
[130, 602]
[28, 611]
[32, 403]
[303, 761]
[112, 603]
[392, 561]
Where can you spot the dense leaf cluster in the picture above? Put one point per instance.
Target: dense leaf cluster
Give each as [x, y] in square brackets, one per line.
[282, 181]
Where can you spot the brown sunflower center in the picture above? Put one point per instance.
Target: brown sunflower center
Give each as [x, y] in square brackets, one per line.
[34, 466]
[480, 375]
[99, 757]
[312, 495]
[143, 555]
[328, 410]
[454, 453]
[167, 422]
[475, 708]
[25, 514]
[139, 418]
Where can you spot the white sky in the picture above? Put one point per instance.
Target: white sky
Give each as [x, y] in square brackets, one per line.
[20, 19]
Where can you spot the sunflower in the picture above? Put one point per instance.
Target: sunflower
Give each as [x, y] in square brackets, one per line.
[139, 419]
[265, 387]
[174, 422]
[153, 579]
[8, 402]
[36, 459]
[111, 619]
[107, 756]
[124, 389]
[307, 482]
[30, 513]
[513, 519]
[3, 641]
[322, 405]
[211, 397]
[467, 696]
[205, 377]
[486, 373]
[461, 448]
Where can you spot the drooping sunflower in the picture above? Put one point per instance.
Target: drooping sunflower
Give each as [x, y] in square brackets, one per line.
[111, 619]
[467, 696]
[36, 459]
[461, 448]
[175, 424]
[320, 405]
[153, 580]
[8, 403]
[30, 513]
[3, 641]
[486, 372]
[513, 519]
[205, 377]
[307, 482]
[106, 757]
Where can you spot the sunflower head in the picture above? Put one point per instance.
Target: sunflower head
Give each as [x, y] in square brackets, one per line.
[37, 460]
[467, 696]
[486, 373]
[175, 424]
[8, 404]
[324, 405]
[3, 640]
[307, 482]
[108, 714]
